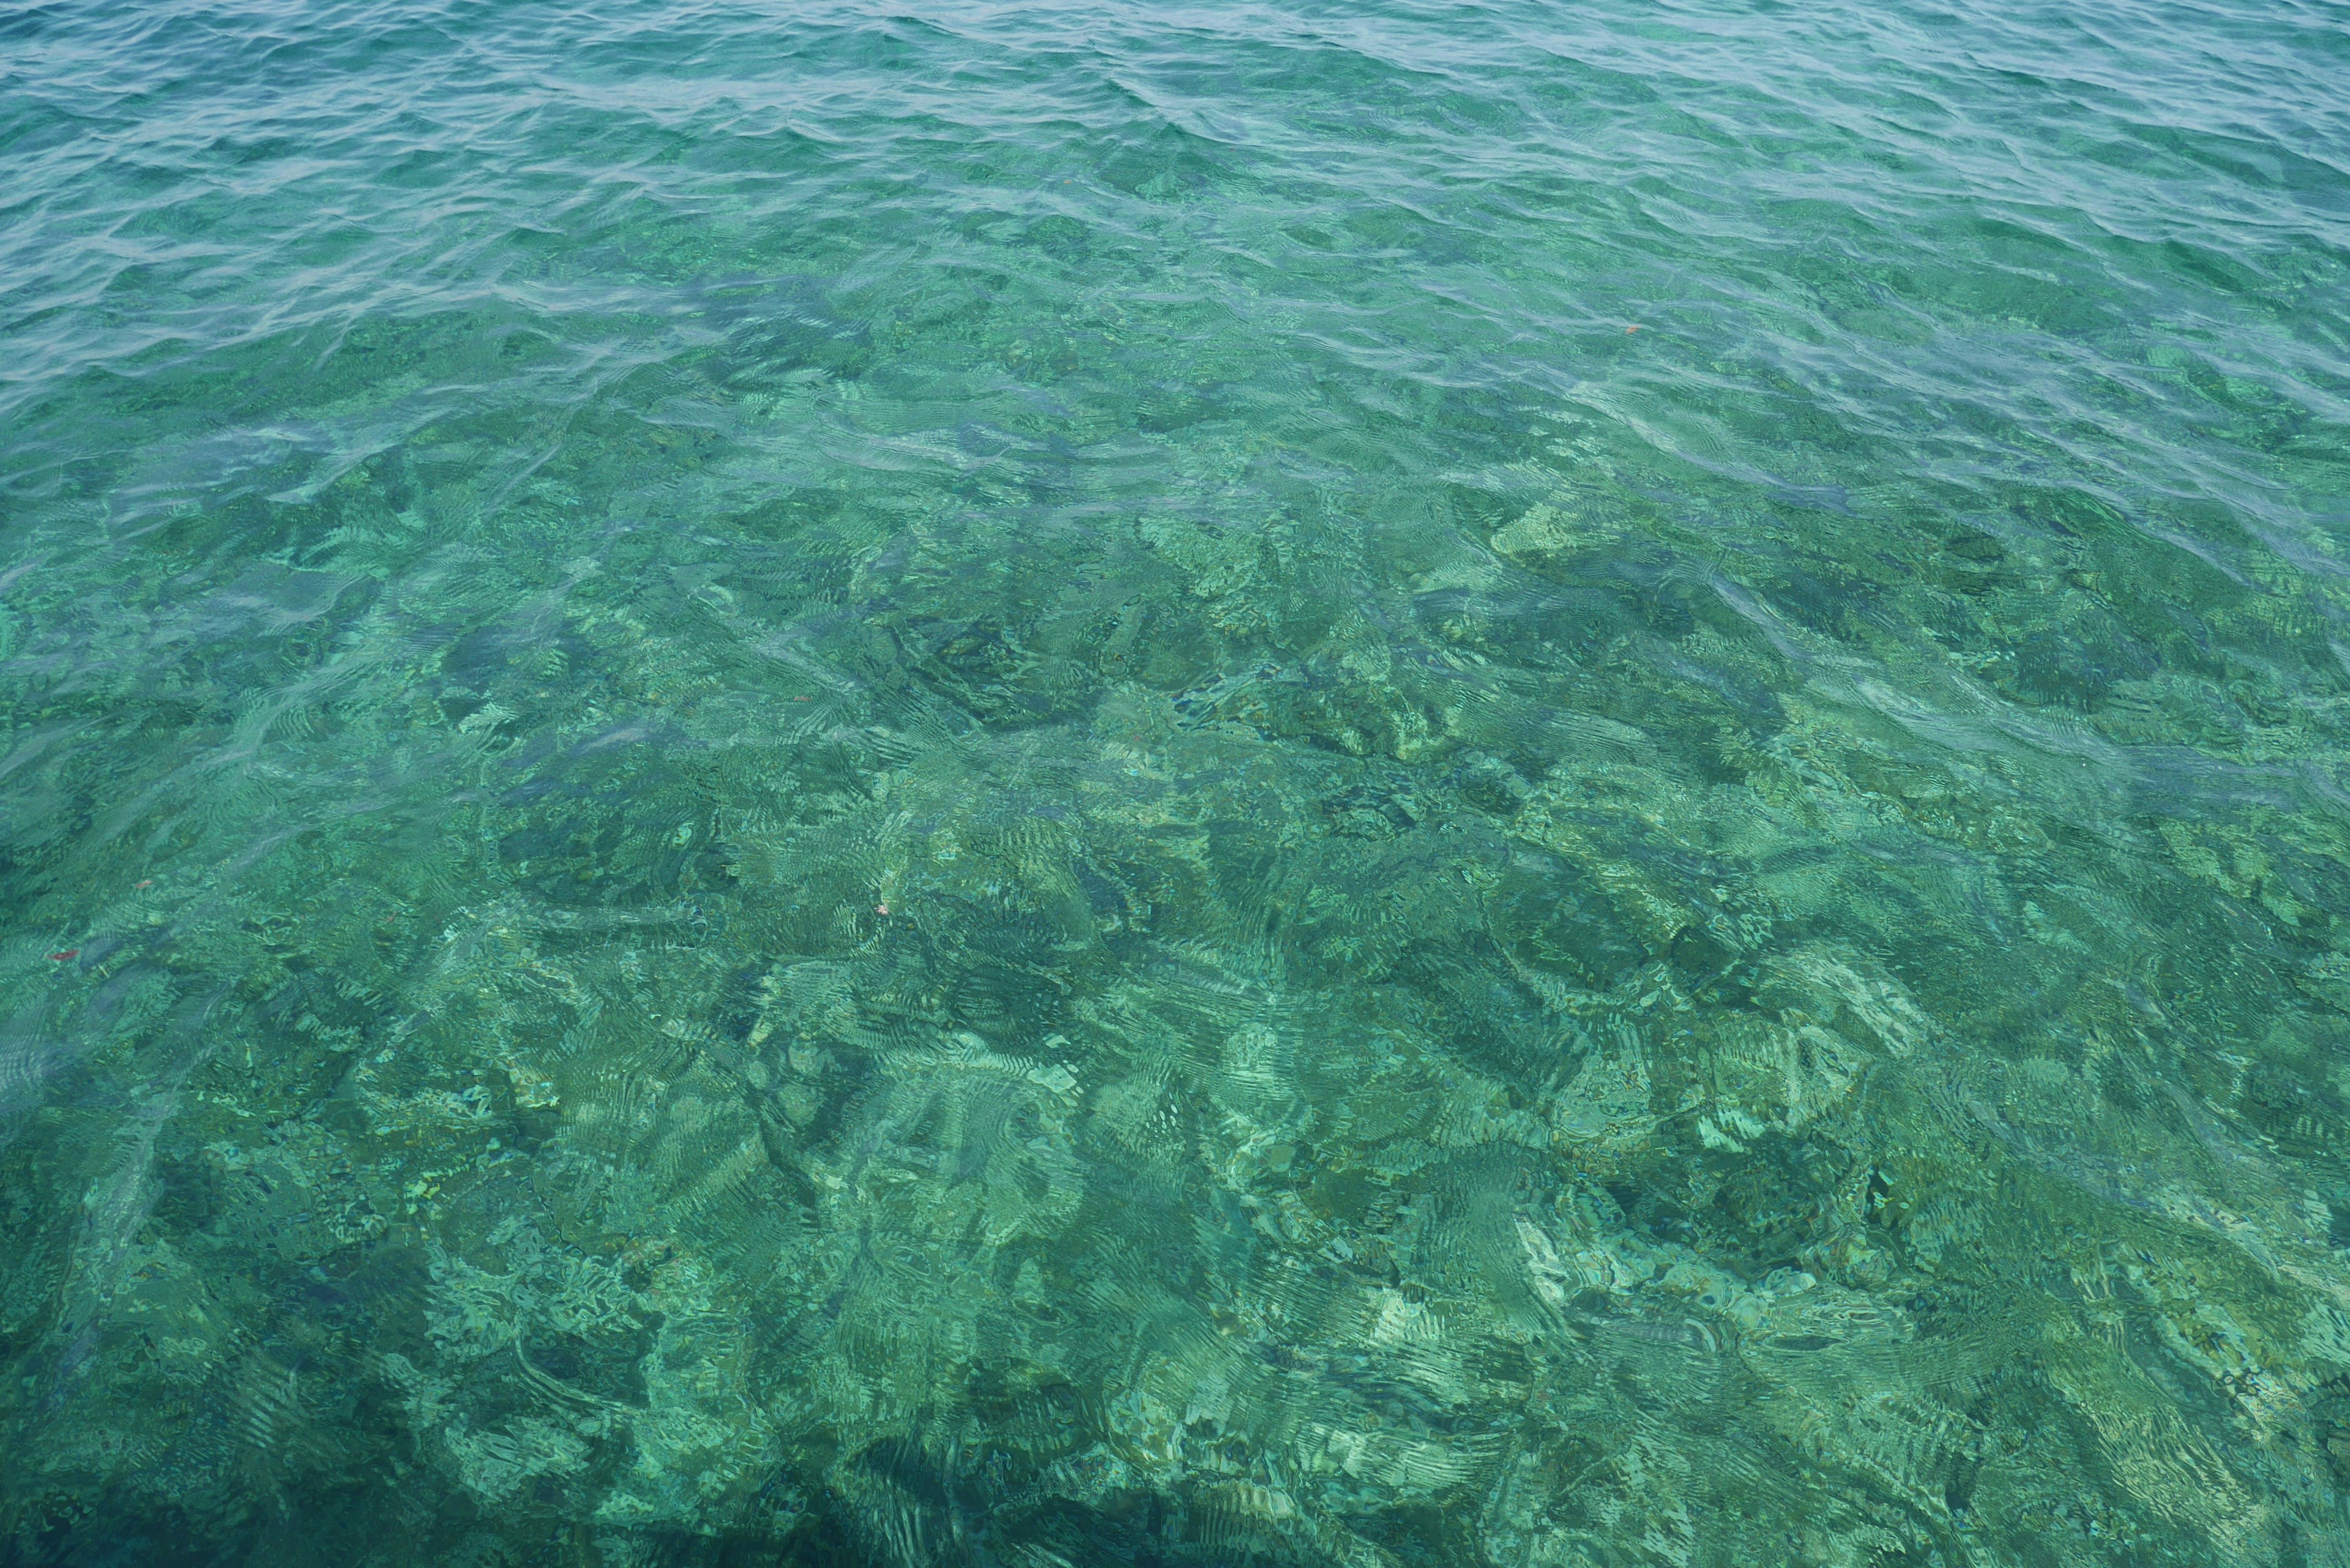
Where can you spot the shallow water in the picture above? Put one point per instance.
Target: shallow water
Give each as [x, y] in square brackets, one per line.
[1051, 785]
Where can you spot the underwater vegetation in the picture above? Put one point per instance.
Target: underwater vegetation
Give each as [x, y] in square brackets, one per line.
[813, 820]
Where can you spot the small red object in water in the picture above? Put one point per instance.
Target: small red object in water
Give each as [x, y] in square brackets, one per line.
[149, 883]
[1629, 330]
[70, 952]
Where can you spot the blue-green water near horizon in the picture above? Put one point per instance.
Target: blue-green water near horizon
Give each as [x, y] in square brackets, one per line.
[1041, 786]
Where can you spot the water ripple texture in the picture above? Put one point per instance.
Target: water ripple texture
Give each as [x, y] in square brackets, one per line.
[1362, 786]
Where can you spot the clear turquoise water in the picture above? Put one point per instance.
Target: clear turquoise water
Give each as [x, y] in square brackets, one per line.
[1379, 785]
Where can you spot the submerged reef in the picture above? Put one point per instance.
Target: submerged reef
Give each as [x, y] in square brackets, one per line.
[1727, 1079]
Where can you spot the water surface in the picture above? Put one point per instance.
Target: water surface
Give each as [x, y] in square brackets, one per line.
[1384, 784]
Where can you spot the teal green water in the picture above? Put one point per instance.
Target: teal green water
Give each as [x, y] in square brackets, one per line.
[1390, 786]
